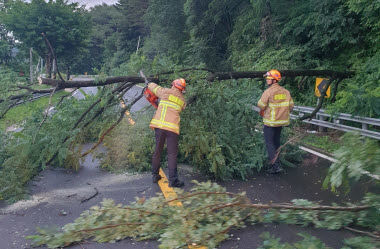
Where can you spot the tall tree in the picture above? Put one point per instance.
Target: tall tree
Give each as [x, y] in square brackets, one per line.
[66, 26]
[210, 23]
[106, 30]
[131, 31]
[166, 21]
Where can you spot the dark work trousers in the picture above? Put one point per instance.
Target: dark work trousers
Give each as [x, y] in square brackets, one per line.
[172, 145]
[272, 137]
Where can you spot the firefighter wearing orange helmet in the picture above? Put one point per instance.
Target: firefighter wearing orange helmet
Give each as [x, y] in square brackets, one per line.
[275, 106]
[165, 123]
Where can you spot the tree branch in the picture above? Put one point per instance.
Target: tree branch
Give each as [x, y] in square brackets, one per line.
[53, 53]
[319, 207]
[122, 113]
[90, 82]
[362, 232]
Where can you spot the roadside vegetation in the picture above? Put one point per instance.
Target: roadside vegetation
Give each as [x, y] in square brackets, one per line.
[20, 113]
[220, 133]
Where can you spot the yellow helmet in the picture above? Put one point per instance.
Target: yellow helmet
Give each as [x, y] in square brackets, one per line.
[273, 75]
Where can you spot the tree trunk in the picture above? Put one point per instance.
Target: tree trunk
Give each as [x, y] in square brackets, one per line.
[31, 65]
[54, 71]
[48, 65]
[68, 73]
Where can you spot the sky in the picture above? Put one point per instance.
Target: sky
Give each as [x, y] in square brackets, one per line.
[92, 3]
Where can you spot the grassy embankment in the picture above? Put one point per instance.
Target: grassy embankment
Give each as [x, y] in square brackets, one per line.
[16, 115]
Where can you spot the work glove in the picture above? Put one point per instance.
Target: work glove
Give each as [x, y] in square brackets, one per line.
[261, 113]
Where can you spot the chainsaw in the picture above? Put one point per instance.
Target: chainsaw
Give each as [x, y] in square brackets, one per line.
[152, 99]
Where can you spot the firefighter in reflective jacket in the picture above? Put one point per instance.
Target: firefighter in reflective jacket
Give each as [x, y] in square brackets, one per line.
[275, 106]
[165, 123]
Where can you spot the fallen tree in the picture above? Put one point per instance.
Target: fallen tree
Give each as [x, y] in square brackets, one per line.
[212, 76]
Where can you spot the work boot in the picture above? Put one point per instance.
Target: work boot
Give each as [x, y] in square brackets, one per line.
[156, 178]
[275, 169]
[176, 183]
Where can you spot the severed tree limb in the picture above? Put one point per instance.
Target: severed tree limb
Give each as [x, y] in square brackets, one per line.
[77, 124]
[296, 138]
[86, 112]
[372, 235]
[213, 76]
[121, 87]
[290, 73]
[92, 196]
[335, 90]
[273, 205]
[319, 207]
[20, 96]
[45, 116]
[122, 113]
[203, 193]
[90, 82]
[65, 96]
[29, 89]
[101, 110]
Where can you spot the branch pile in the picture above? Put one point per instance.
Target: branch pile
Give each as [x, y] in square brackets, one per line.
[206, 218]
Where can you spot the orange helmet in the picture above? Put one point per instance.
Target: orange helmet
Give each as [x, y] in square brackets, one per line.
[180, 84]
[273, 75]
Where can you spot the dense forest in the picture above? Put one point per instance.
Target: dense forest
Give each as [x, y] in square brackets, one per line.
[219, 35]
[220, 132]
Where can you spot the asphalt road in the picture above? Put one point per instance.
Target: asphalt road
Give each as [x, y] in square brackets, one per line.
[133, 93]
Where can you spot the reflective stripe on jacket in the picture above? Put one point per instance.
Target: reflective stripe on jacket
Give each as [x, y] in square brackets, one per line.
[171, 104]
[277, 105]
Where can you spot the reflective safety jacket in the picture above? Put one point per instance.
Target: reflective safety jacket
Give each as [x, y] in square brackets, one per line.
[277, 105]
[171, 104]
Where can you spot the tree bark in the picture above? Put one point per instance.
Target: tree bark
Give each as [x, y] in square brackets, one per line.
[216, 76]
[31, 65]
[48, 64]
[87, 83]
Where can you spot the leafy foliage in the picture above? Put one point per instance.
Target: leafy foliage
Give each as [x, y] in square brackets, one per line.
[66, 26]
[356, 158]
[129, 147]
[165, 38]
[207, 214]
[360, 243]
[27, 152]
[311, 242]
[17, 115]
[223, 139]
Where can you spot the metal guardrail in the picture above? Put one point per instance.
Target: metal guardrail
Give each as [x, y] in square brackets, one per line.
[35, 97]
[324, 119]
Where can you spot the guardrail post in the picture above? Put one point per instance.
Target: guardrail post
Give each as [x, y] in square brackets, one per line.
[364, 126]
[321, 128]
